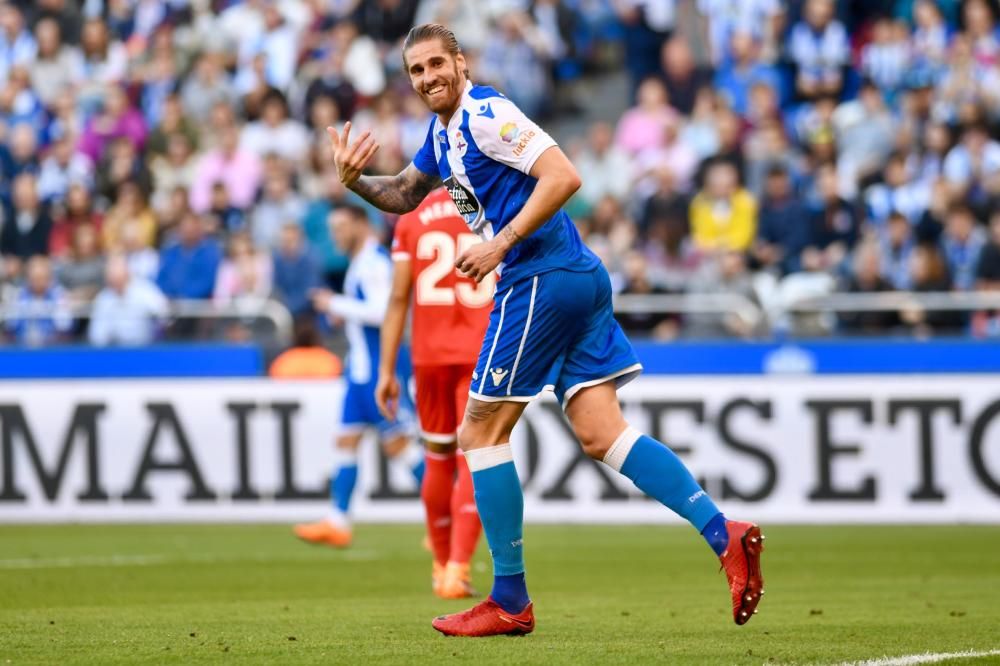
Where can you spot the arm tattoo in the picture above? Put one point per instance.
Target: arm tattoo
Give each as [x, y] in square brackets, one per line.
[510, 236]
[396, 194]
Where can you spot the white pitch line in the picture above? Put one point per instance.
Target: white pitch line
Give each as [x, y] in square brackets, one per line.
[925, 658]
[93, 561]
[156, 560]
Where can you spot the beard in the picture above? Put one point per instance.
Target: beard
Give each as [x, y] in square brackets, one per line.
[447, 99]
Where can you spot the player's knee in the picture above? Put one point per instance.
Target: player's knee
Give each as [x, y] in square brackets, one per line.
[395, 445]
[596, 418]
[347, 443]
[597, 451]
[475, 434]
[596, 436]
[593, 441]
[471, 436]
[477, 425]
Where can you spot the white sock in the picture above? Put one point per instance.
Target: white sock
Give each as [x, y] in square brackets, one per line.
[489, 456]
[622, 446]
[343, 458]
[338, 519]
[411, 455]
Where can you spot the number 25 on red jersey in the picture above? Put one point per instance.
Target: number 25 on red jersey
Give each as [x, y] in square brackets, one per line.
[433, 287]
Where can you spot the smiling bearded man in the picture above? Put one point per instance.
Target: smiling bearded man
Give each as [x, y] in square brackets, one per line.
[551, 326]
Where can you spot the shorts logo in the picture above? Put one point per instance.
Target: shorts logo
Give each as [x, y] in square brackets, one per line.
[475, 375]
[509, 132]
[498, 375]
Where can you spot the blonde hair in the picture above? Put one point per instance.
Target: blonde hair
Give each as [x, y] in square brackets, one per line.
[428, 31]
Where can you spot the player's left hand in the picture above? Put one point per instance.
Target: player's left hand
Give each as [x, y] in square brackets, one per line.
[481, 259]
[321, 299]
[387, 395]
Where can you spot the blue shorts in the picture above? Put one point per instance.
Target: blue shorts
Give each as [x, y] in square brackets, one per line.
[361, 412]
[554, 331]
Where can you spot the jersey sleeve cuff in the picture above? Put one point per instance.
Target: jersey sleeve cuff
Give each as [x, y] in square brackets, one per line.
[427, 172]
[536, 152]
[400, 256]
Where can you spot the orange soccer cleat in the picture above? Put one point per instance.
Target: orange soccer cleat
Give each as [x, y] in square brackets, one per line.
[486, 619]
[437, 578]
[741, 561]
[456, 582]
[324, 532]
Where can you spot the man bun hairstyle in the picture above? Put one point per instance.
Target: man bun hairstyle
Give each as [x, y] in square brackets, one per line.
[427, 32]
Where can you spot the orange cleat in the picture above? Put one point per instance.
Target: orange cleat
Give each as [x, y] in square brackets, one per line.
[456, 582]
[324, 532]
[437, 578]
[741, 561]
[487, 619]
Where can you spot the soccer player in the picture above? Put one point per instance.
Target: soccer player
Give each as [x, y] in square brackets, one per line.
[551, 326]
[450, 314]
[362, 309]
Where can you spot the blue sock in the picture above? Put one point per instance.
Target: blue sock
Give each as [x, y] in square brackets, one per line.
[342, 486]
[716, 535]
[510, 592]
[658, 472]
[500, 503]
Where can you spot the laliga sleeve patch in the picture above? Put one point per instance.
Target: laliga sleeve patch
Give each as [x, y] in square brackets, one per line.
[516, 138]
[508, 136]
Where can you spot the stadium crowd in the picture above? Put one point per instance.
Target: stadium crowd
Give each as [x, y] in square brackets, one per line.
[162, 150]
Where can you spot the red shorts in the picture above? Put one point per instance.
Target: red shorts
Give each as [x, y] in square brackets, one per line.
[441, 394]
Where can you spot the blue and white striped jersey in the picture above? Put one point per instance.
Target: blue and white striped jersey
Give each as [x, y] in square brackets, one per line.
[484, 157]
[367, 285]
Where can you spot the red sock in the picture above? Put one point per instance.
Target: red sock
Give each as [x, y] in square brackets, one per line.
[465, 527]
[436, 491]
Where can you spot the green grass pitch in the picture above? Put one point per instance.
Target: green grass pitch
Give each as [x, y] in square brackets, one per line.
[234, 594]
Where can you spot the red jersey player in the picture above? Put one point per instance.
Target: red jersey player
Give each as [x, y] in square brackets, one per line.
[450, 314]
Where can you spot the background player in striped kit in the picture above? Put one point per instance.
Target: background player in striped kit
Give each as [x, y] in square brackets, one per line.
[362, 309]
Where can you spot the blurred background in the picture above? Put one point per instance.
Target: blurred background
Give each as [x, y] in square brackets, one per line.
[799, 188]
[751, 168]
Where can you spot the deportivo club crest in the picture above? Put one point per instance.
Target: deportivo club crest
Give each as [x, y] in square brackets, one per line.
[460, 144]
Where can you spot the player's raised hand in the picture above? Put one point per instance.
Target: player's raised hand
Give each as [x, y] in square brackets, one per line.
[351, 159]
[387, 395]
